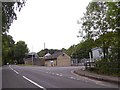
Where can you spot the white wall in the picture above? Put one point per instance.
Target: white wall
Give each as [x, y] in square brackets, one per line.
[97, 53]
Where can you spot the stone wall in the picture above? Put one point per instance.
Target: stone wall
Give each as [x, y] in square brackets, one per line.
[36, 61]
[64, 60]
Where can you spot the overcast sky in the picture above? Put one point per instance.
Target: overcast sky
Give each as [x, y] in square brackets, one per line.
[51, 21]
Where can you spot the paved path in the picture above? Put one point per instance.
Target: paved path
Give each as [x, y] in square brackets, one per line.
[98, 76]
[47, 77]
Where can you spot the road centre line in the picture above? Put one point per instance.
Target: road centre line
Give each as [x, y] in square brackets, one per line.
[53, 73]
[34, 83]
[15, 71]
[10, 67]
[72, 78]
[57, 74]
[61, 75]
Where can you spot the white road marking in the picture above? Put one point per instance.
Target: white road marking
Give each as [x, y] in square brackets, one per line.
[72, 78]
[77, 79]
[10, 67]
[53, 73]
[100, 84]
[57, 74]
[15, 71]
[61, 75]
[34, 83]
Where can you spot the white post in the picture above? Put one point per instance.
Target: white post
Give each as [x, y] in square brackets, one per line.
[90, 56]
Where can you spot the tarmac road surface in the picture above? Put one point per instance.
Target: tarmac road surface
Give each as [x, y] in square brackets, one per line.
[14, 76]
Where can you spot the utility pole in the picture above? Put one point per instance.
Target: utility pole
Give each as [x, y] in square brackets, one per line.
[44, 45]
[76, 60]
[32, 55]
[44, 53]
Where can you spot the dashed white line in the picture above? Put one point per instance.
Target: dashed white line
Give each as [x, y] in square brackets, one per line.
[53, 73]
[61, 75]
[72, 78]
[57, 74]
[15, 71]
[77, 79]
[100, 84]
[34, 83]
[10, 67]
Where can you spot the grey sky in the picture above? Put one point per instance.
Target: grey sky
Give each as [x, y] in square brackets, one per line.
[51, 21]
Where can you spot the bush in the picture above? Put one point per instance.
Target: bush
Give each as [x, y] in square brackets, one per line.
[108, 68]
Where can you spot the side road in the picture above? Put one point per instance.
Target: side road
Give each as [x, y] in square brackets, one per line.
[98, 77]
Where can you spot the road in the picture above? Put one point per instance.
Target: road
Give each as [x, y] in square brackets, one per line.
[14, 76]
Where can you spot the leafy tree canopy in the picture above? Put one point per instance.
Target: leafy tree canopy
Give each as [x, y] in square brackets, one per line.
[9, 13]
[20, 49]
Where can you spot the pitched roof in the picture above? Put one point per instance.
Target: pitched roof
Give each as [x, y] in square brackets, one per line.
[53, 56]
[48, 54]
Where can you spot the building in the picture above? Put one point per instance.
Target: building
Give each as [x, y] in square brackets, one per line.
[57, 59]
[97, 53]
[33, 58]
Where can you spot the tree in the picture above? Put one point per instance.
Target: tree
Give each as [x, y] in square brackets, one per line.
[100, 19]
[82, 49]
[114, 21]
[101, 22]
[20, 49]
[71, 50]
[7, 48]
[9, 13]
[8, 16]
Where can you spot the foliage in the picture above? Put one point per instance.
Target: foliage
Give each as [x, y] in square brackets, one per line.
[71, 50]
[101, 22]
[20, 49]
[94, 21]
[7, 48]
[82, 49]
[8, 16]
[100, 19]
[45, 51]
[107, 67]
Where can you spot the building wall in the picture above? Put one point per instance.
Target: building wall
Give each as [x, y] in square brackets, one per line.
[40, 62]
[50, 62]
[97, 53]
[28, 61]
[64, 60]
[36, 61]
